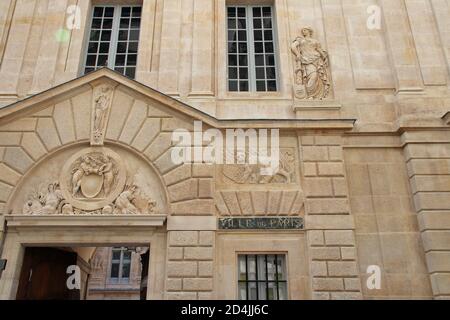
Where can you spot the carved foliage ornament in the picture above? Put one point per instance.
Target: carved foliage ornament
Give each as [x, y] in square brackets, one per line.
[312, 76]
[93, 181]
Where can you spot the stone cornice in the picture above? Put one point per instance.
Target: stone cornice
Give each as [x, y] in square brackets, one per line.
[51, 96]
[84, 221]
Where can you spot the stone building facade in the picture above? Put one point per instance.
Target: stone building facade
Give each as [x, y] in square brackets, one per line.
[359, 91]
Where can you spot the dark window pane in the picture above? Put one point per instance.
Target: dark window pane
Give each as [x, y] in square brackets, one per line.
[269, 47]
[267, 23]
[116, 255]
[135, 23]
[243, 73]
[242, 24]
[242, 47]
[133, 47]
[270, 60]
[132, 59]
[126, 12]
[115, 271]
[243, 60]
[243, 86]
[131, 72]
[259, 60]
[231, 23]
[260, 85]
[124, 23]
[122, 47]
[231, 12]
[90, 61]
[257, 24]
[271, 74]
[258, 35]
[95, 35]
[267, 12]
[232, 85]
[271, 86]
[232, 36]
[232, 73]
[102, 60]
[137, 12]
[232, 47]
[109, 12]
[127, 255]
[123, 35]
[260, 73]
[242, 35]
[107, 23]
[232, 60]
[98, 12]
[104, 47]
[93, 47]
[96, 23]
[259, 47]
[241, 12]
[134, 35]
[126, 267]
[257, 12]
[268, 36]
[120, 70]
[106, 35]
[87, 70]
[120, 60]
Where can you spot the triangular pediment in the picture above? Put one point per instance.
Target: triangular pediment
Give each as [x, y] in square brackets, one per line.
[78, 92]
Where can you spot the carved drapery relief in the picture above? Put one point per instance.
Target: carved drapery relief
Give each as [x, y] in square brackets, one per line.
[312, 76]
[92, 182]
[100, 113]
[251, 174]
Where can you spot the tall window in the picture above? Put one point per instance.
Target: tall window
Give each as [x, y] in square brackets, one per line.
[120, 265]
[251, 49]
[114, 39]
[262, 277]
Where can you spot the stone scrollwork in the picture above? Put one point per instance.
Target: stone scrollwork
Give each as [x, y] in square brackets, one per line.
[93, 182]
[312, 79]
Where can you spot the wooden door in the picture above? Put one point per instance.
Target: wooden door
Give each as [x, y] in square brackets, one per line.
[44, 277]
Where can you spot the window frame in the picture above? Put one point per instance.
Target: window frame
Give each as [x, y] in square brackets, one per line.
[276, 255]
[120, 279]
[114, 35]
[251, 50]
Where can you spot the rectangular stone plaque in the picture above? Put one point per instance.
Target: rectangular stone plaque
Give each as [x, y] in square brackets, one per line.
[262, 223]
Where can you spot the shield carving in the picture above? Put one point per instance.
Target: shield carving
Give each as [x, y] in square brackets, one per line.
[91, 185]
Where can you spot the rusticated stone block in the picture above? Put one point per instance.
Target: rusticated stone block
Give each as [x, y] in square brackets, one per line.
[183, 238]
[181, 296]
[201, 253]
[325, 253]
[182, 269]
[342, 269]
[328, 284]
[206, 238]
[343, 238]
[197, 284]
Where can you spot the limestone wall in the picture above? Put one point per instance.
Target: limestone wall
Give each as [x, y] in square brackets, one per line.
[183, 50]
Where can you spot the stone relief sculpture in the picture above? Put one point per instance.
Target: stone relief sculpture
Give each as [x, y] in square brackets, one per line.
[92, 174]
[93, 183]
[312, 79]
[102, 103]
[44, 202]
[251, 174]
